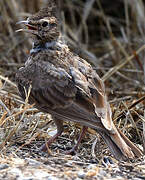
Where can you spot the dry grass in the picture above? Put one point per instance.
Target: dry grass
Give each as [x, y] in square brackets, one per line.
[110, 36]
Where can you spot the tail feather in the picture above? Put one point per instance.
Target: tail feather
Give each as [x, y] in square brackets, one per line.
[134, 149]
[113, 147]
[120, 146]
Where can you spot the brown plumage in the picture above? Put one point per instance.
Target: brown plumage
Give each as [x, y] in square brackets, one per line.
[66, 86]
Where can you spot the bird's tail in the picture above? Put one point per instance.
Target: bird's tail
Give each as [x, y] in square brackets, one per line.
[120, 146]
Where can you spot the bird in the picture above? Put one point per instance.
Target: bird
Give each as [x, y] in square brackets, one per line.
[66, 86]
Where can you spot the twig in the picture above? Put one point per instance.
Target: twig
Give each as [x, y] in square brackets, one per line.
[131, 119]
[120, 99]
[123, 63]
[16, 114]
[8, 81]
[122, 70]
[130, 107]
[93, 148]
[29, 140]
[5, 107]
[15, 128]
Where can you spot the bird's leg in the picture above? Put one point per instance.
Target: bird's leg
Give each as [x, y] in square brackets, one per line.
[74, 149]
[59, 125]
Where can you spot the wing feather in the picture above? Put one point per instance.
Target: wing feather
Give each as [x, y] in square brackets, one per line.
[75, 94]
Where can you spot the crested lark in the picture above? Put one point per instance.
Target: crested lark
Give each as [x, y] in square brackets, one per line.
[66, 86]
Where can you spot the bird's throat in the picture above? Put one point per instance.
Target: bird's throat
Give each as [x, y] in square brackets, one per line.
[53, 45]
[43, 46]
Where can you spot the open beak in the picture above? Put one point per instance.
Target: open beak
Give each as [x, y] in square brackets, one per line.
[30, 28]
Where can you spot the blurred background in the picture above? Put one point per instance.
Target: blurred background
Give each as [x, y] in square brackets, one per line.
[101, 31]
[108, 34]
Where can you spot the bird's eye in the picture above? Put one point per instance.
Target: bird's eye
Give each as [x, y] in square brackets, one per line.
[45, 23]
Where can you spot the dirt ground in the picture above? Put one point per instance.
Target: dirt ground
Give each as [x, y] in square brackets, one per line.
[92, 161]
[66, 167]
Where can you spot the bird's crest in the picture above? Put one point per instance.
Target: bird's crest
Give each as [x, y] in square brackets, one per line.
[49, 11]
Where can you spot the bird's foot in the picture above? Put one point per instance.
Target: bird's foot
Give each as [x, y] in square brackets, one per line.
[45, 146]
[71, 151]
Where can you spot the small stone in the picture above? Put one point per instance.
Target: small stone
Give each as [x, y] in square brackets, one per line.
[33, 162]
[51, 132]
[91, 166]
[41, 174]
[76, 158]
[102, 173]
[3, 166]
[81, 174]
[68, 164]
[52, 178]
[25, 178]
[16, 171]
[107, 160]
[91, 173]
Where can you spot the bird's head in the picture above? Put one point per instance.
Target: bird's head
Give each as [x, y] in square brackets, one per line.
[44, 25]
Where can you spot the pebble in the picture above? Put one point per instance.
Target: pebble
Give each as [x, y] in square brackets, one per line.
[25, 178]
[102, 172]
[76, 158]
[68, 164]
[33, 162]
[91, 166]
[16, 171]
[3, 166]
[52, 178]
[41, 174]
[81, 174]
[107, 160]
